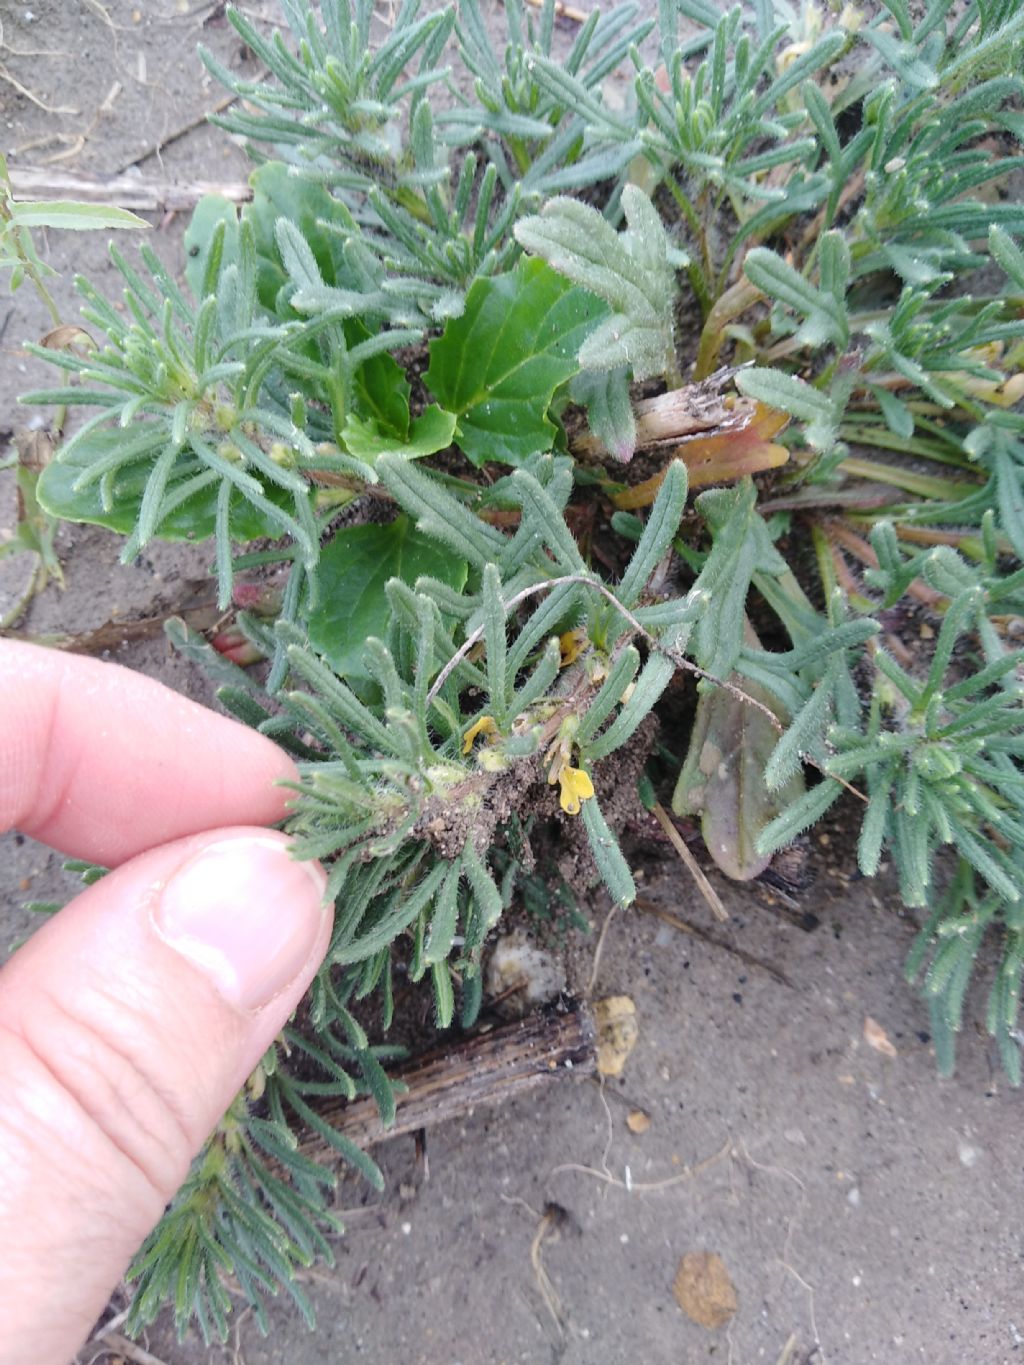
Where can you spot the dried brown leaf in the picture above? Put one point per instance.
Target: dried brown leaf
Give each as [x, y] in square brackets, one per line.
[637, 1121]
[617, 1032]
[875, 1036]
[720, 456]
[68, 337]
[704, 1290]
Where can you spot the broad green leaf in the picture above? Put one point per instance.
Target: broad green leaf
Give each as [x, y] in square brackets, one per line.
[280, 191]
[380, 390]
[212, 210]
[633, 271]
[354, 569]
[498, 365]
[723, 781]
[434, 430]
[193, 519]
[73, 217]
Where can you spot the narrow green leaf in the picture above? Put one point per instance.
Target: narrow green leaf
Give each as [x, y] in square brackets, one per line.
[438, 514]
[824, 316]
[795, 396]
[1007, 254]
[661, 528]
[73, 217]
[803, 813]
[654, 678]
[611, 865]
[485, 892]
[446, 915]
[496, 643]
[621, 674]
[444, 994]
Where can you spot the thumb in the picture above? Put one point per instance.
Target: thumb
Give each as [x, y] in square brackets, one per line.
[128, 1023]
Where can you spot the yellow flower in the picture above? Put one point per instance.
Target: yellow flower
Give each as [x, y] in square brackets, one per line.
[576, 787]
[484, 726]
[572, 645]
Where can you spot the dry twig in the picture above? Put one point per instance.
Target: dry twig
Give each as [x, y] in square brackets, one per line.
[126, 191]
[460, 1075]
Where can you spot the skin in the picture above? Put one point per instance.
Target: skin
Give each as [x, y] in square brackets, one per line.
[131, 1019]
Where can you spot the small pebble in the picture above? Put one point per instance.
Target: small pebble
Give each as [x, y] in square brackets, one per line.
[968, 1155]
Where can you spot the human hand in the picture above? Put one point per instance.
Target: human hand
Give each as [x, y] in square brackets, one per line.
[130, 1020]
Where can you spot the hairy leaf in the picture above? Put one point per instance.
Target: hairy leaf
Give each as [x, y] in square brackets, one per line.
[633, 271]
[797, 397]
[73, 217]
[605, 395]
[740, 548]
[823, 309]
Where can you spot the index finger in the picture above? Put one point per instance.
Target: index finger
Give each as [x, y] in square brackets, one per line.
[101, 763]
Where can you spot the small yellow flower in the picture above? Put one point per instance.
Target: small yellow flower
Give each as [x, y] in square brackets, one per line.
[572, 645]
[576, 787]
[483, 726]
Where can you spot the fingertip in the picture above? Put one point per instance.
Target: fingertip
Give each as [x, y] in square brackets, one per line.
[102, 763]
[247, 914]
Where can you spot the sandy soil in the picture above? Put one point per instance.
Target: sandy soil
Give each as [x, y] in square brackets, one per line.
[865, 1210]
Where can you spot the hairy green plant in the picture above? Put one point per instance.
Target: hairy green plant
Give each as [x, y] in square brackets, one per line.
[35, 528]
[413, 322]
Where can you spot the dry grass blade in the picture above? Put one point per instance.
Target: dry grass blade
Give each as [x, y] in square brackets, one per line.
[125, 191]
[578, 16]
[547, 1229]
[690, 862]
[5, 75]
[129, 1350]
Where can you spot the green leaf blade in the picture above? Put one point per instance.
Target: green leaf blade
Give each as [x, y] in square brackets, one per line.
[498, 365]
[354, 570]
